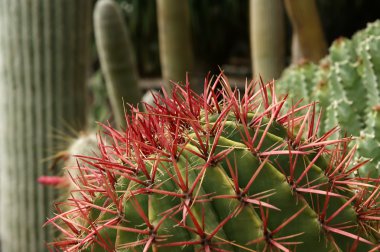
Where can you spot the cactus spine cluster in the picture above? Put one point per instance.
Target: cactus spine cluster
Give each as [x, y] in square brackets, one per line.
[223, 171]
[116, 57]
[347, 84]
[43, 65]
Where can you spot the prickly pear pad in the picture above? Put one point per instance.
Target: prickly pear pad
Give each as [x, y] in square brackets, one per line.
[222, 171]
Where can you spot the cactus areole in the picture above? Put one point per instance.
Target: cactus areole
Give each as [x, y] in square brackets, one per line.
[222, 171]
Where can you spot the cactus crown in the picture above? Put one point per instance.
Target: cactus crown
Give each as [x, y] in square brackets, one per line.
[222, 171]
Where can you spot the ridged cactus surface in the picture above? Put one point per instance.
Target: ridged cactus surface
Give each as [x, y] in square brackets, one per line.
[347, 84]
[43, 66]
[223, 171]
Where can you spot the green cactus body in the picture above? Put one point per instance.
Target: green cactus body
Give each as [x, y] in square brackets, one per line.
[372, 29]
[341, 103]
[117, 58]
[321, 90]
[225, 173]
[369, 140]
[297, 77]
[44, 62]
[350, 93]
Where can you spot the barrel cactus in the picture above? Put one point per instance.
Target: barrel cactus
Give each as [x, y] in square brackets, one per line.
[222, 171]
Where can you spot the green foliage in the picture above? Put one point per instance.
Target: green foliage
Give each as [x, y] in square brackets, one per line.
[347, 83]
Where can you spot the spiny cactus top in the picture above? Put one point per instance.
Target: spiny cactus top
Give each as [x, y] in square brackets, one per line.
[222, 171]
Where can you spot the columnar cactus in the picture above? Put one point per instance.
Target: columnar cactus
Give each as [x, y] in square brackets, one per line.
[174, 35]
[223, 171]
[308, 36]
[43, 66]
[347, 82]
[267, 37]
[117, 57]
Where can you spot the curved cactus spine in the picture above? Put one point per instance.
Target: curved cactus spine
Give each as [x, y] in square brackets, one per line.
[44, 51]
[222, 171]
[176, 53]
[116, 57]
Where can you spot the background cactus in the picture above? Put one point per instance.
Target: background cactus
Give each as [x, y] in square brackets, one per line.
[117, 58]
[176, 53]
[267, 38]
[43, 68]
[308, 39]
[347, 84]
[85, 144]
[221, 172]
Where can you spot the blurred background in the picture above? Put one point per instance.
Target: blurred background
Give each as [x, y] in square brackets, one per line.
[220, 30]
[65, 65]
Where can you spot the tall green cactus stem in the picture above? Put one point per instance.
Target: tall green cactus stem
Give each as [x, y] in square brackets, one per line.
[307, 29]
[349, 89]
[44, 59]
[174, 34]
[267, 36]
[224, 171]
[117, 58]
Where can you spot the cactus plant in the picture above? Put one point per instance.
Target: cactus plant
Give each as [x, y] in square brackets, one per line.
[84, 145]
[116, 57]
[43, 67]
[176, 53]
[267, 32]
[221, 171]
[347, 82]
[308, 38]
